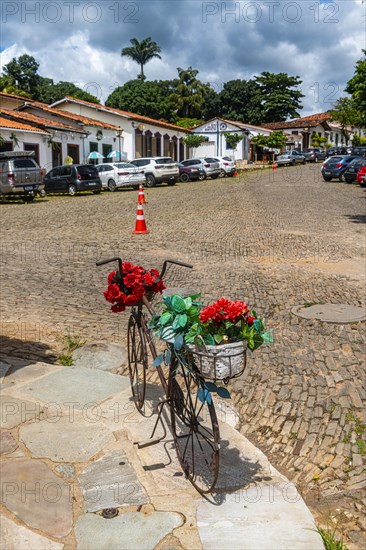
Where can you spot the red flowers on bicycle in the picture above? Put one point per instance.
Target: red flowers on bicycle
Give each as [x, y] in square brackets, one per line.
[128, 288]
[224, 310]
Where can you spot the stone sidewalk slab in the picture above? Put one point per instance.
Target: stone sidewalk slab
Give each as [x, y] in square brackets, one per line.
[38, 497]
[17, 537]
[111, 482]
[72, 386]
[66, 438]
[14, 411]
[131, 531]
[263, 517]
[100, 355]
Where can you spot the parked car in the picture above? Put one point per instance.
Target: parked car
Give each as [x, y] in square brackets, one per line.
[73, 178]
[340, 150]
[361, 150]
[120, 174]
[290, 158]
[190, 173]
[350, 173]
[227, 166]
[209, 166]
[335, 167]
[361, 176]
[20, 175]
[158, 170]
[314, 154]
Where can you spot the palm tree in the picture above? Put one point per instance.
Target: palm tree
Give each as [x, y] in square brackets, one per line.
[142, 52]
[190, 93]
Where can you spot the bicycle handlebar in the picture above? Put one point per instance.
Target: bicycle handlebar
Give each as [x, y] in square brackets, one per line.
[165, 264]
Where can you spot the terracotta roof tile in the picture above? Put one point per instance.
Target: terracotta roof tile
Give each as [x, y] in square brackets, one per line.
[72, 116]
[310, 121]
[13, 96]
[15, 125]
[127, 114]
[37, 120]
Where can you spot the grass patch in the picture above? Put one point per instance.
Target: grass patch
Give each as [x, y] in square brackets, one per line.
[71, 343]
[329, 539]
[361, 446]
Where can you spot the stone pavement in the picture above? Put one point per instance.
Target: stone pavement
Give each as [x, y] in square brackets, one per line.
[275, 239]
[68, 453]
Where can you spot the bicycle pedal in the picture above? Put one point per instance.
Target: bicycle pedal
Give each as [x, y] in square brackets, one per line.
[158, 466]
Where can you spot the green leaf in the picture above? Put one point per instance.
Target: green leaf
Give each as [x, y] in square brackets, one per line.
[182, 320]
[194, 311]
[175, 324]
[223, 393]
[178, 342]
[218, 338]
[165, 318]
[204, 396]
[267, 337]
[210, 386]
[209, 340]
[158, 361]
[188, 302]
[178, 304]
[168, 334]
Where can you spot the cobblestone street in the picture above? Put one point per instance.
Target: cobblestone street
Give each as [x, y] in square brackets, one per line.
[275, 239]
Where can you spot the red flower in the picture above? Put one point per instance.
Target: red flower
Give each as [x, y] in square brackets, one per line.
[118, 308]
[113, 293]
[250, 320]
[111, 276]
[127, 266]
[131, 280]
[148, 280]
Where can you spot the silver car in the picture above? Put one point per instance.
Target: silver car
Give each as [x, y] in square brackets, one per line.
[120, 174]
[20, 175]
[290, 158]
[210, 166]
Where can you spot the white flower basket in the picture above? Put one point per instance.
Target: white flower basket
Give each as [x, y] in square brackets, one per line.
[220, 362]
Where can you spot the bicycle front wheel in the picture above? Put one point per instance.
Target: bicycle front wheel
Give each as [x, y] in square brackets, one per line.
[137, 361]
[195, 430]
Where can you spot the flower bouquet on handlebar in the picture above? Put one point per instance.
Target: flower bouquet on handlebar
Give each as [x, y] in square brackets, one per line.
[129, 284]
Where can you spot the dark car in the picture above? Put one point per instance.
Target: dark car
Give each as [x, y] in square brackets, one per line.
[190, 173]
[209, 166]
[335, 167]
[73, 178]
[314, 154]
[350, 174]
[360, 150]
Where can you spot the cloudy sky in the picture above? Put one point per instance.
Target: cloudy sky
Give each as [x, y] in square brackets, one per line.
[80, 41]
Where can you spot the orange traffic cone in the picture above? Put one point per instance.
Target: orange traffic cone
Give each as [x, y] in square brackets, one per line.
[141, 197]
[274, 167]
[235, 174]
[140, 227]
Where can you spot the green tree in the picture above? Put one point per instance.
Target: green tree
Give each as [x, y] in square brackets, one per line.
[279, 97]
[8, 86]
[276, 140]
[48, 92]
[188, 122]
[240, 100]
[190, 93]
[148, 98]
[317, 140]
[193, 141]
[345, 113]
[142, 52]
[22, 73]
[232, 140]
[356, 86]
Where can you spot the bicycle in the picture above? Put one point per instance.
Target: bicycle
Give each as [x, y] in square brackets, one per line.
[193, 421]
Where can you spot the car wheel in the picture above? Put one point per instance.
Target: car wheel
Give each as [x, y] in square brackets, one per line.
[72, 190]
[111, 185]
[293, 163]
[363, 184]
[184, 177]
[303, 162]
[97, 192]
[215, 176]
[202, 177]
[150, 181]
[222, 173]
[28, 198]
[327, 179]
[342, 177]
[171, 183]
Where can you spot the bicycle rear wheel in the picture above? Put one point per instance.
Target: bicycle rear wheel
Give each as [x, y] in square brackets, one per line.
[137, 361]
[195, 430]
